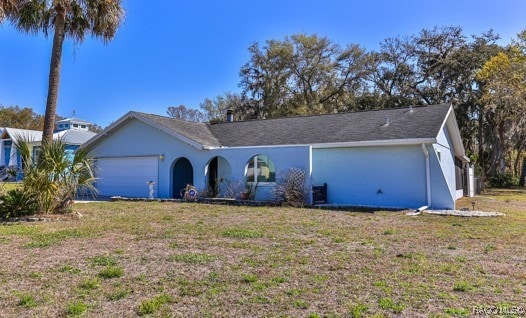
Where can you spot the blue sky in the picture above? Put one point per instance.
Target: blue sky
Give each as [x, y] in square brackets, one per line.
[170, 52]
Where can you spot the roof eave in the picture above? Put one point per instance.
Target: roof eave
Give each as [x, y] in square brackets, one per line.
[450, 122]
[130, 115]
[376, 143]
[349, 144]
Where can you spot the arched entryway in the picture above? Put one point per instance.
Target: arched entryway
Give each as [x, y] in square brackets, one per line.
[182, 175]
[218, 176]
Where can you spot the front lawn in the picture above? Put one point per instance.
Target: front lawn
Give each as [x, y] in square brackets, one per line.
[165, 259]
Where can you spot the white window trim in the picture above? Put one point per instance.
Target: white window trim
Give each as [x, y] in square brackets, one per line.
[259, 183]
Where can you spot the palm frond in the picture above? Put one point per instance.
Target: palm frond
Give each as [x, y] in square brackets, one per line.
[33, 16]
[105, 18]
[7, 9]
[56, 176]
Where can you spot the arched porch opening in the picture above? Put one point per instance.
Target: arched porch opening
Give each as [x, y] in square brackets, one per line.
[218, 175]
[182, 175]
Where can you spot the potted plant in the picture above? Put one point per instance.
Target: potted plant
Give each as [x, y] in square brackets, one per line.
[246, 193]
[250, 191]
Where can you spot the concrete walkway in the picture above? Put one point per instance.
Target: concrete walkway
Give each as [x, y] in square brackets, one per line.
[458, 213]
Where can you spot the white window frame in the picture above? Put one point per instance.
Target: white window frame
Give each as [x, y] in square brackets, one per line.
[256, 171]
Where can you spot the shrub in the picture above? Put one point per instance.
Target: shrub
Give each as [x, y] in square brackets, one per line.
[56, 176]
[503, 180]
[290, 188]
[16, 203]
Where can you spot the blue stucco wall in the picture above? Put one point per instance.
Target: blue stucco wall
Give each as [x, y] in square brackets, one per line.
[386, 176]
[441, 197]
[443, 183]
[391, 177]
[135, 138]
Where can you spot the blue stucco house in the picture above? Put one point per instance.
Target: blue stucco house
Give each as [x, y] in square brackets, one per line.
[392, 158]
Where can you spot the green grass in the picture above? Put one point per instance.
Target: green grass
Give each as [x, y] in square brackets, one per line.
[161, 259]
[103, 260]
[111, 272]
[76, 308]
[26, 300]
[192, 258]
[70, 269]
[249, 278]
[47, 239]
[462, 286]
[240, 233]
[389, 304]
[118, 294]
[150, 306]
[90, 283]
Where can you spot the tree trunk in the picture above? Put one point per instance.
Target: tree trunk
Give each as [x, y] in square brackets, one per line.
[523, 173]
[54, 74]
[481, 161]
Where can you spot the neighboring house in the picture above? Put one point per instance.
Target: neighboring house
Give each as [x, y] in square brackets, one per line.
[394, 158]
[72, 131]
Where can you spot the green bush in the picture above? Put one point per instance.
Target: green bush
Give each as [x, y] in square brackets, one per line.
[16, 203]
[503, 180]
[56, 176]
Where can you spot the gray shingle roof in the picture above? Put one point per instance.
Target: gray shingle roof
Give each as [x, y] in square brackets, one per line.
[404, 123]
[197, 132]
[421, 122]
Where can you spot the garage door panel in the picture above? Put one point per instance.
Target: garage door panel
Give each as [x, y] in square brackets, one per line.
[126, 176]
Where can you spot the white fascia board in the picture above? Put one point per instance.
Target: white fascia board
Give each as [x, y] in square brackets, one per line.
[128, 156]
[450, 110]
[107, 131]
[450, 122]
[130, 115]
[169, 132]
[376, 143]
[369, 143]
[256, 147]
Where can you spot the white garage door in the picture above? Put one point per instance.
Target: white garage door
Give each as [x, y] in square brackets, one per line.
[126, 176]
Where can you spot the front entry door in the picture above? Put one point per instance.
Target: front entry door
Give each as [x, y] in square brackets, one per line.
[183, 174]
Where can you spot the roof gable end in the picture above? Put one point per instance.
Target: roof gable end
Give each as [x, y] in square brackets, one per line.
[145, 118]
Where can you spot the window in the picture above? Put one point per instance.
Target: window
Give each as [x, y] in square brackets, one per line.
[37, 150]
[60, 126]
[75, 125]
[66, 125]
[83, 126]
[261, 169]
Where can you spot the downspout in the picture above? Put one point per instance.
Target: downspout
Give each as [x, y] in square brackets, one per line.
[428, 176]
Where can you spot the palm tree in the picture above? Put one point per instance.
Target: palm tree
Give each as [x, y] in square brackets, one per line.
[66, 18]
[7, 9]
[55, 176]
